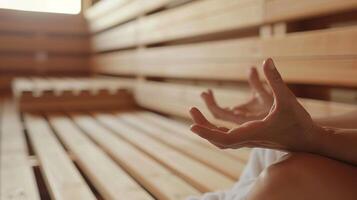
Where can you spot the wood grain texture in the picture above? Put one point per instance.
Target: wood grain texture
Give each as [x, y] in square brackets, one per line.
[197, 174]
[157, 179]
[40, 22]
[280, 10]
[306, 57]
[125, 12]
[110, 180]
[51, 44]
[223, 163]
[17, 180]
[182, 129]
[61, 176]
[44, 64]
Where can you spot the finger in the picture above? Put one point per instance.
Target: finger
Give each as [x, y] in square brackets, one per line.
[216, 110]
[199, 118]
[279, 88]
[213, 135]
[209, 99]
[255, 82]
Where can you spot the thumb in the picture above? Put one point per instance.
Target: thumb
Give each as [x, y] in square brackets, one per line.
[279, 88]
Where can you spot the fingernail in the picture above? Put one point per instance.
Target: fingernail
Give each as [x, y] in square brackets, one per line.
[270, 64]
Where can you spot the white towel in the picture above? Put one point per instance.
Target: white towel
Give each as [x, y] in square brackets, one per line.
[259, 159]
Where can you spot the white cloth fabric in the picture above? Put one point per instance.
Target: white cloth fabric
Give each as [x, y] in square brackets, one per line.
[259, 159]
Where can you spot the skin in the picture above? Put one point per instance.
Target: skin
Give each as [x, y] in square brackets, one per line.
[283, 124]
[306, 176]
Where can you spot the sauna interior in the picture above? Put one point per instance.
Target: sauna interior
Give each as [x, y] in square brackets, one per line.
[95, 104]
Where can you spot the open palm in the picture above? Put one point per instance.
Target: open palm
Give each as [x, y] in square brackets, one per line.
[287, 125]
[257, 107]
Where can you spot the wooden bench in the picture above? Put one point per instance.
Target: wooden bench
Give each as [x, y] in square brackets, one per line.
[72, 94]
[82, 155]
[165, 53]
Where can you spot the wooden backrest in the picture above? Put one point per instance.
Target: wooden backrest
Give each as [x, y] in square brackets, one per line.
[171, 46]
[43, 43]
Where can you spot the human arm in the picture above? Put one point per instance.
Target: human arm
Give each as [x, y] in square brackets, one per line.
[287, 126]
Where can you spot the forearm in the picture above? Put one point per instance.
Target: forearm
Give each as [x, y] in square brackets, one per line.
[336, 143]
[347, 121]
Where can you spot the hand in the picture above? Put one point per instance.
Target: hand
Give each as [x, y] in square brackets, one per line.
[256, 108]
[287, 126]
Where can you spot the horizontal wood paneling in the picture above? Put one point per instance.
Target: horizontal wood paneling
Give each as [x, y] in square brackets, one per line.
[103, 7]
[32, 64]
[193, 19]
[24, 21]
[125, 12]
[33, 43]
[199, 18]
[306, 57]
[279, 10]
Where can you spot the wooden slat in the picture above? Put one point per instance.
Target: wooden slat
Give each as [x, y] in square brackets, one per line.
[30, 64]
[40, 22]
[121, 37]
[162, 183]
[217, 160]
[200, 18]
[62, 178]
[192, 19]
[183, 130]
[17, 180]
[109, 179]
[130, 10]
[282, 10]
[307, 57]
[176, 99]
[54, 44]
[200, 176]
[104, 7]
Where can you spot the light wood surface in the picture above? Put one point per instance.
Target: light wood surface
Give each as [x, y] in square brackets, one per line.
[199, 175]
[225, 164]
[161, 182]
[125, 11]
[62, 177]
[111, 181]
[17, 180]
[278, 10]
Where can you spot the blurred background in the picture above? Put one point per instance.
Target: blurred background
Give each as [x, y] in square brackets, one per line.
[119, 37]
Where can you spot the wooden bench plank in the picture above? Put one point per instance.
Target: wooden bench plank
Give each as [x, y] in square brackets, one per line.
[182, 130]
[217, 160]
[17, 180]
[109, 179]
[200, 176]
[162, 183]
[62, 178]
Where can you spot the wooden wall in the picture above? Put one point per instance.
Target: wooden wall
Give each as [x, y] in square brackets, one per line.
[312, 41]
[42, 44]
